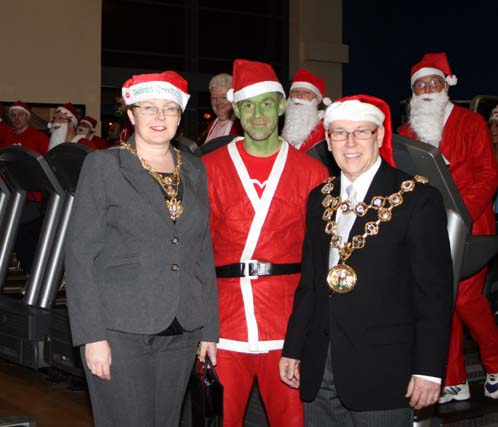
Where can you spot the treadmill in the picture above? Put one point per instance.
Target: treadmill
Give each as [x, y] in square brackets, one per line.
[65, 161]
[23, 323]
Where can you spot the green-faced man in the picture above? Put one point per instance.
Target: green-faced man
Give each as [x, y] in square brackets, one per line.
[258, 185]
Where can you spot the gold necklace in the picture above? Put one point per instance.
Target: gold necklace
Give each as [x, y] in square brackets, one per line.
[170, 184]
[342, 278]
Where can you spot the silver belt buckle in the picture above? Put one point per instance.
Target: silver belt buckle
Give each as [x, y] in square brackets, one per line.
[246, 268]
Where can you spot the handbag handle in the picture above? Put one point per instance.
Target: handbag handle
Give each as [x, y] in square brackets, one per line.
[204, 368]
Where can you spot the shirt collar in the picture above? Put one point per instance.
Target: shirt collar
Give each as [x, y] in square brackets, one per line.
[362, 183]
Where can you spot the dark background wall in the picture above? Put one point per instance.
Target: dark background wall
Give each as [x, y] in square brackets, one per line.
[386, 38]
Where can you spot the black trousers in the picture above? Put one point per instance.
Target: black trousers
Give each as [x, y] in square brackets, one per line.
[149, 378]
[327, 409]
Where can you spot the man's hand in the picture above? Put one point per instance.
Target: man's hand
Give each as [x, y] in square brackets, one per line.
[422, 392]
[98, 359]
[209, 348]
[289, 371]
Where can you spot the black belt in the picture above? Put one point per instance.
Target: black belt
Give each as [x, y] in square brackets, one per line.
[256, 268]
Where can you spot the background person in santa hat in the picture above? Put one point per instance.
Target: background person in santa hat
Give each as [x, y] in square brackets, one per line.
[24, 134]
[85, 134]
[303, 126]
[368, 334]
[63, 125]
[463, 139]
[258, 185]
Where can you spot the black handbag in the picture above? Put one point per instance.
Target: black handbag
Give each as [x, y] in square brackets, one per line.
[206, 393]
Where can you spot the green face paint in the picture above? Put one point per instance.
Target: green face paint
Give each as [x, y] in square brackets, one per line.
[259, 119]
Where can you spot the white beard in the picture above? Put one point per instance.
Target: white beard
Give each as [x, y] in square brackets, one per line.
[57, 135]
[301, 117]
[427, 117]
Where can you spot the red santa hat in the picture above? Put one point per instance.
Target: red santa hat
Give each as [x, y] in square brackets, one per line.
[251, 78]
[303, 78]
[70, 111]
[166, 85]
[494, 114]
[19, 105]
[364, 108]
[90, 121]
[433, 64]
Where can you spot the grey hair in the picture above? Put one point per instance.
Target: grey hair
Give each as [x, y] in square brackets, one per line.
[222, 79]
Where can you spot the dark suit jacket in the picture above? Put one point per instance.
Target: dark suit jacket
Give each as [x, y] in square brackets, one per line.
[129, 267]
[396, 321]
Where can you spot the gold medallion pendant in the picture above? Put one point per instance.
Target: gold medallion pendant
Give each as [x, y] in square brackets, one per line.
[342, 278]
[175, 208]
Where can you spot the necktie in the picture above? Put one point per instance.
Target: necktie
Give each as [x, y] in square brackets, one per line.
[344, 224]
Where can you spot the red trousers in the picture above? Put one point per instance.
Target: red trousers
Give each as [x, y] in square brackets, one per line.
[472, 309]
[237, 372]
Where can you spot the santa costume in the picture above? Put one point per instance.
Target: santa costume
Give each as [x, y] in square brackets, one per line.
[466, 145]
[93, 141]
[29, 138]
[258, 208]
[304, 79]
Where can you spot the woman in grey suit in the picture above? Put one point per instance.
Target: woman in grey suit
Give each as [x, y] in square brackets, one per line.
[140, 278]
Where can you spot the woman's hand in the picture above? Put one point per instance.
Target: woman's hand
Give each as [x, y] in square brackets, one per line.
[98, 359]
[209, 348]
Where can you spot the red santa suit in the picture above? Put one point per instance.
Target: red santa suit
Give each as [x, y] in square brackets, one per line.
[254, 311]
[95, 142]
[316, 135]
[30, 138]
[467, 146]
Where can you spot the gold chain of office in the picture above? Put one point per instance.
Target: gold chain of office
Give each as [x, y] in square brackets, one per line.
[342, 278]
[170, 184]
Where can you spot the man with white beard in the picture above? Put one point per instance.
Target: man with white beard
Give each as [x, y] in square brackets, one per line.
[464, 140]
[303, 127]
[63, 125]
[85, 134]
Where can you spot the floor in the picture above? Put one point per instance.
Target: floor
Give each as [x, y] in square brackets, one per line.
[25, 392]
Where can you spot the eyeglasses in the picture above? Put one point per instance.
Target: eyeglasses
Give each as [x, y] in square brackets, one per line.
[358, 134]
[153, 110]
[432, 84]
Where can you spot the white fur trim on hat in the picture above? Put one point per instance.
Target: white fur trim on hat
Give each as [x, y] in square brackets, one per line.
[69, 115]
[18, 107]
[426, 71]
[353, 110]
[88, 123]
[307, 85]
[327, 101]
[155, 90]
[257, 89]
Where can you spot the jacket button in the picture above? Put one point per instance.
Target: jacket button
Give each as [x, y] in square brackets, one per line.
[326, 332]
[175, 267]
[175, 240]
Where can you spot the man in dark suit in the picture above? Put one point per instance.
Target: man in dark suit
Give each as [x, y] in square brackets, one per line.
[368, 335]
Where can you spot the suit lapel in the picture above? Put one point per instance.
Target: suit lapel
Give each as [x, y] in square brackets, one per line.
[325, 238]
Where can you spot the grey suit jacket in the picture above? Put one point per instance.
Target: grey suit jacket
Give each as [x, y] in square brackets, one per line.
[129, 267]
